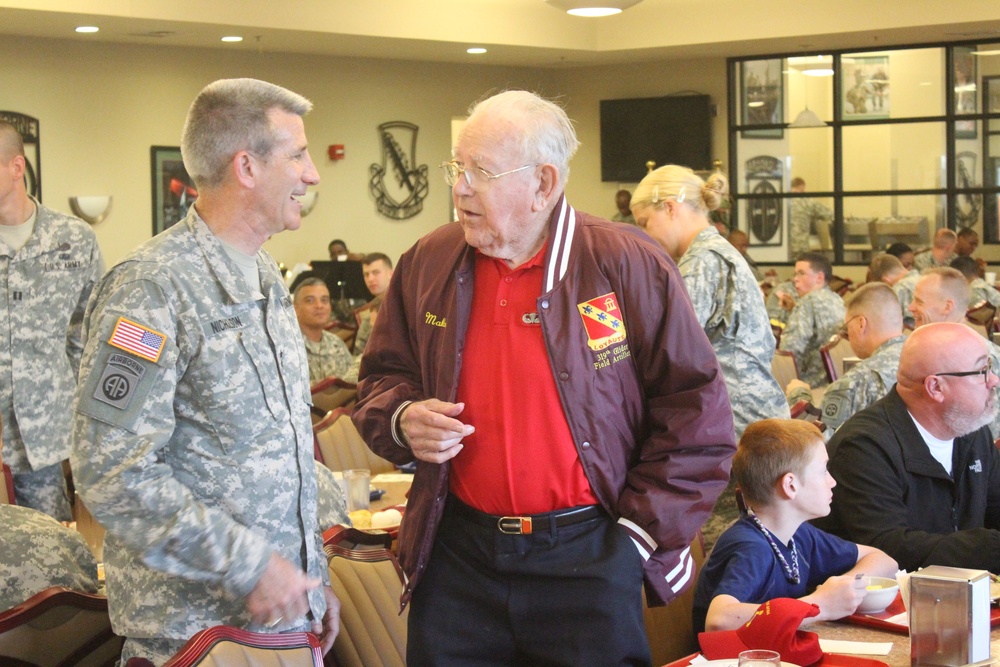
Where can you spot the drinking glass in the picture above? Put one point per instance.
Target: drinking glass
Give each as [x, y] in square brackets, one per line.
[358, 489]
[759, 658]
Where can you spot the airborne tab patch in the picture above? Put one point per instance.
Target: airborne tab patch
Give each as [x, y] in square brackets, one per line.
[137, 339]
[603, 321]
[119, 380]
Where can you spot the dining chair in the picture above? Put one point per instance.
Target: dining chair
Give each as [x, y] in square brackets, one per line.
[368, 581]
[340, 447]
[981, 317]
[833, 353]
[59, 627]
[331, 393]
[784, 368]
[225, 646]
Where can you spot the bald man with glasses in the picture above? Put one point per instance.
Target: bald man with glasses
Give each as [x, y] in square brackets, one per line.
[917, 473]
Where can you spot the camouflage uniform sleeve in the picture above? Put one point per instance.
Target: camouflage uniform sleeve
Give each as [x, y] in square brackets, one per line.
[120, 453]
[701, 277]
[840, 401]
[74, 335]
[799, 330]
[330, 500]
[800, 394]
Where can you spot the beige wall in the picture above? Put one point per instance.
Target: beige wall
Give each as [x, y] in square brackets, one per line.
[102, 106]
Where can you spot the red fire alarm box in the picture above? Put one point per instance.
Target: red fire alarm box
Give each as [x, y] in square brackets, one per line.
[336, 152]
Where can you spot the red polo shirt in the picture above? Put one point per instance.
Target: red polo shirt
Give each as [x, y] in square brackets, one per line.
[521, 459]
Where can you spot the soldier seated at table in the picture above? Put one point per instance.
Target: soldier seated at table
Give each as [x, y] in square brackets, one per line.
[874, 329]
[771, 551]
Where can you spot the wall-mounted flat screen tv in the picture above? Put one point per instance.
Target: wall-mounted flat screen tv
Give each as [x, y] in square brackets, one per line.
[667, 130]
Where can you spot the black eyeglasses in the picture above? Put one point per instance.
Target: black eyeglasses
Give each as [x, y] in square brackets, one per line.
[985, 372]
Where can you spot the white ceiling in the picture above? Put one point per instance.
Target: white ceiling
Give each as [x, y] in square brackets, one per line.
[515, 32]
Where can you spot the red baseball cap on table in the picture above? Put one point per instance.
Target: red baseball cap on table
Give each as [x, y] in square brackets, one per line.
[774, 626]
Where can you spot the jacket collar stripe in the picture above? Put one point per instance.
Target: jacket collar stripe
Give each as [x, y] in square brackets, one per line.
[562, 240]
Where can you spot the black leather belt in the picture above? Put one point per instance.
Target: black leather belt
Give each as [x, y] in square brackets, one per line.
[525, 525]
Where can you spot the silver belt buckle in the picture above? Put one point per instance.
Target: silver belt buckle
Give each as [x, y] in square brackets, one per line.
[514, 525]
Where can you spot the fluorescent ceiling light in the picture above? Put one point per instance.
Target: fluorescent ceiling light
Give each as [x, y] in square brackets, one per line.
[476, 50]
[87, 28]
[232, 38]
[593, 8]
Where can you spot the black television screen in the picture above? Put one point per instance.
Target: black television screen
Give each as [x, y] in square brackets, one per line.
[666, 130]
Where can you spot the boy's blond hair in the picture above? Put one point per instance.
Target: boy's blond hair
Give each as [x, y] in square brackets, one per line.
[767, 451]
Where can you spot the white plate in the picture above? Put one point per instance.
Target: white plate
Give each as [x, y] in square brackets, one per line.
[731, 663]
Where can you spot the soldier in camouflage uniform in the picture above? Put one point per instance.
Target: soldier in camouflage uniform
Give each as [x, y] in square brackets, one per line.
[326, 353]
[38, 553]
[672, 205]
[939, 254]
[49, 263]
[775, 310]
[192, 437]
[980, 290]
[874, 328]
[804, 215]
[817, 315]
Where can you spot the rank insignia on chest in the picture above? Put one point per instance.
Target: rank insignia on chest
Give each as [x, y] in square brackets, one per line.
[602, 318]
[137, 339]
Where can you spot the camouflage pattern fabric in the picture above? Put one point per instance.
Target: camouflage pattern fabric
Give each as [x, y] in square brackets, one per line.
[925, 260]
[330, 499]
[804, 214]
[192, 440]
[904, 292]
[38, 553]
[865, 383]
[44, 490]
[730, 307]
[327, 358]
[983, 291]
[816, 316]
[773, 303]
[47, 285]
[361, 338]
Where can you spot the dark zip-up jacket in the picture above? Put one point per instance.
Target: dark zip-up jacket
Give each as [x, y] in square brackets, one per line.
[893, 495]
[648, 412]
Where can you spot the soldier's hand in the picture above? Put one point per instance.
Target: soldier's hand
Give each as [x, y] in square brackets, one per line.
[431, 430]
[280, 594]
[329, 628]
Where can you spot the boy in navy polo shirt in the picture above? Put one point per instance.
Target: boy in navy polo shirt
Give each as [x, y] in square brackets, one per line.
[771, 552]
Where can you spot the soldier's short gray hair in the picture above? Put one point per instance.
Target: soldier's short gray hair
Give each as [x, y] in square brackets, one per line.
[228, 116]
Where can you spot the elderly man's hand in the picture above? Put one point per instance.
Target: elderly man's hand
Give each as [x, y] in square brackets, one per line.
[431, 430]
[280, 594]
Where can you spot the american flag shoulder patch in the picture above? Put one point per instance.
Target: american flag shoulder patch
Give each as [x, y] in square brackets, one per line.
[137, 339]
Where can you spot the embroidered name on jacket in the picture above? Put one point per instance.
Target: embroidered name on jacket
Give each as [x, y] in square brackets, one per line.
[435, 321]
[602, 319]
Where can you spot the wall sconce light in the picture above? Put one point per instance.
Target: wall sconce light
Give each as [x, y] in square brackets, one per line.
[93, 209]
[308, 201]
[593, 8]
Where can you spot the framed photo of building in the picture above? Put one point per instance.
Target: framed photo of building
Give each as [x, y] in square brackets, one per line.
[865, 86]
[173, 189]
[763, 98]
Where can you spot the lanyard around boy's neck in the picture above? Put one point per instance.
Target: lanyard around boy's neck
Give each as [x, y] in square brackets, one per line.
[791, 572]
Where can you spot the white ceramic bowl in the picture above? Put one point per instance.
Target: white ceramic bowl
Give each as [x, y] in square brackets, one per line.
[881, 592]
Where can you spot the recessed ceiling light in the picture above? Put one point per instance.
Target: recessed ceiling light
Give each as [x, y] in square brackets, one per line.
[232, 38]
[594, 12]
[87, 28]
[593, 8]
[475, 50]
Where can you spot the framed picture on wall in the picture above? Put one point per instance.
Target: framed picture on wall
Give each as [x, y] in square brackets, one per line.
[763, 99]
[966, 91]
[173, 189]
[865, 86]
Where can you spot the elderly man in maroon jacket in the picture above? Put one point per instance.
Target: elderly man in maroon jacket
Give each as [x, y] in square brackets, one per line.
[567, 414]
